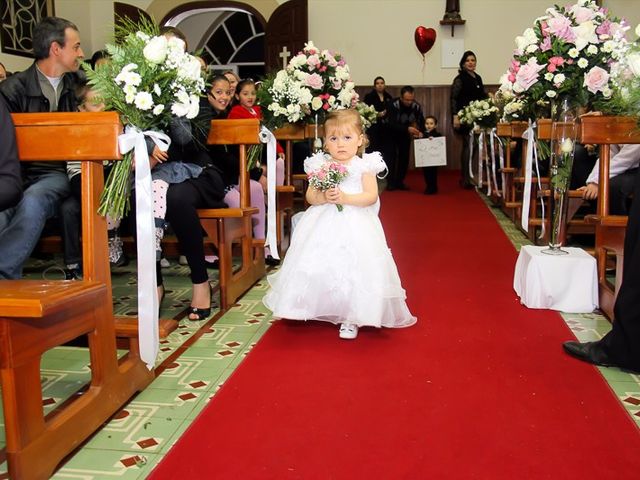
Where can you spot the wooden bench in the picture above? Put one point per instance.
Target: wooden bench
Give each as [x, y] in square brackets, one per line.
[610, 229]
[38, 315]
[226, 227]
[513, 178]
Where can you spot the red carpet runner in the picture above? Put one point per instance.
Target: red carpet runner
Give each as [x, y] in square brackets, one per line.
[478, 389]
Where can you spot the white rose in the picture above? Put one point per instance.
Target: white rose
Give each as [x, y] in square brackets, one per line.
[156, 50]
[190, 69]
[559, 78]
[633, 60]
[143, 101]
[592, 49]
[583, 63]
[585, 34]
[180, 109]
[158, 109]
[316, 103]
[566, 146]
[548, 76]
[607, 92]
[551, 93]
[573, 52]
[194, 107]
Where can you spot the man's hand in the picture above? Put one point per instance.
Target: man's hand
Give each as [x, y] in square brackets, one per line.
[590, 191]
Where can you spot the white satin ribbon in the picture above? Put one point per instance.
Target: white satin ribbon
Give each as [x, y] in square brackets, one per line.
[530, 136]
[266, 136]
[501, 156]
[492, 146]
[471, 141]
[148, 338]
[480, 165]
[537, 164]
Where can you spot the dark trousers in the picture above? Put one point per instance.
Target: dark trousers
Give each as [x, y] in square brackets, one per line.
[622, 343]
[399, 161]
[71, 223]
[430, 179]
[465, 173]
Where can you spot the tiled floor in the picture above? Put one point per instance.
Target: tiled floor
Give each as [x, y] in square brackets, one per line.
[136, 439]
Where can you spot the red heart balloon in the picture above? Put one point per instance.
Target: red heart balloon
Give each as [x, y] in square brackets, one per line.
[424, 38]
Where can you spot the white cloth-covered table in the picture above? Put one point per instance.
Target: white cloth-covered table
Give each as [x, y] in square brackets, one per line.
[568, 283]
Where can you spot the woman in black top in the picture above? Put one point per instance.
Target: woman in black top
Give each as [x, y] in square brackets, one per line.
[380, 139]
[466, 87]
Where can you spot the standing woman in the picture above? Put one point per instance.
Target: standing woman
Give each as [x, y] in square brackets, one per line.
[379, 135]
[466, 87]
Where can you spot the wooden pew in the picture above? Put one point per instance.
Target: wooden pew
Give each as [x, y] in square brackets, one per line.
[228, 226]
[505, 132]
[38, 315]
[610, 229]
[514, 178]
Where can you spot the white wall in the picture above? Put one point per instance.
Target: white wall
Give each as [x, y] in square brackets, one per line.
[377, 36]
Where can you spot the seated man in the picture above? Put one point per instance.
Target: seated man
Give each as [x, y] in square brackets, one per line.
[622, 168]
[46, 86]
[10, 179]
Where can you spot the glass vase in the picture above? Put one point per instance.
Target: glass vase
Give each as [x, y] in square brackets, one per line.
[564, 133]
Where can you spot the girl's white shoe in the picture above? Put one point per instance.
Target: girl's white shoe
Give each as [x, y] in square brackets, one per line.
[348, 331]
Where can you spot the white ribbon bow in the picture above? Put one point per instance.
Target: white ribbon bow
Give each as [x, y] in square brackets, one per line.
[530, 136]
[266, 136]
[148, 338]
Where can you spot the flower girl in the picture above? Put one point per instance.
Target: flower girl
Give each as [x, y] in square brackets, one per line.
[339, 268]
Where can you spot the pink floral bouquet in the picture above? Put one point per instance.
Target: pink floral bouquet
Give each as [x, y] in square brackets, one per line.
[568, 51]
[328, 176]
[314, 82]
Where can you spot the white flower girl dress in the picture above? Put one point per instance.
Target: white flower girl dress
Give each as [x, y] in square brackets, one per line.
[339, 268]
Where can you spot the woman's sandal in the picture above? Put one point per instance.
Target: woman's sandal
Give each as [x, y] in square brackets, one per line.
[200, 313]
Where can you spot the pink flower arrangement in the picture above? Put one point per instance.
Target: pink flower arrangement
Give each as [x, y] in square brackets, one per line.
[328, 176]
[314, 82]
[568, 51]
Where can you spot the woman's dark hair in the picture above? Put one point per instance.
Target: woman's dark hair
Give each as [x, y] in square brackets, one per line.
[465, 55]
[98, 55]
[49, 30]
[376, 79]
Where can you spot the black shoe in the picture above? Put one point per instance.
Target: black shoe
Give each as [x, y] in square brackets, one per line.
[429, 191]
[215, 265]
[72, 274]
[272, 262]
[590, 352]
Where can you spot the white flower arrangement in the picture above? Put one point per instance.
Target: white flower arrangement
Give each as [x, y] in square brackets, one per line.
[314, 82]
[149, 79]
[482, 113]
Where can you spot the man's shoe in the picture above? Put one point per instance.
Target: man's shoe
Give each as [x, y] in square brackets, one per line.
[272, 262]
[590, 352]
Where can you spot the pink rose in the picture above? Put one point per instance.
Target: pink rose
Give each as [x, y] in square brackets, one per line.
[546, 44]
[551, 68]
[561, 27]
[314, 81]
[604, 28]
[528, 74]
[557, 61]
[326, 106]
[596, 79]
[582, 14]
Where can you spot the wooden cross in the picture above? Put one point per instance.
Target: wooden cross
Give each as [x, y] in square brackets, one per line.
[284, 55]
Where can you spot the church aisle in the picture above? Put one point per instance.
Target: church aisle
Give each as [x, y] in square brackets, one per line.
[133, 443]
[479, 388]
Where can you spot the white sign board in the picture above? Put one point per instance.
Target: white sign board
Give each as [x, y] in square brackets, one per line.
[430, 152]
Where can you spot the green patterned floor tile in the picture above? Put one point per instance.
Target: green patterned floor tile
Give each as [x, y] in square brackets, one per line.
[98, 464]
[163, 403]
[135, 430]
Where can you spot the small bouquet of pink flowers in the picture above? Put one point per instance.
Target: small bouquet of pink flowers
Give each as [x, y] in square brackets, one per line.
[329, 175]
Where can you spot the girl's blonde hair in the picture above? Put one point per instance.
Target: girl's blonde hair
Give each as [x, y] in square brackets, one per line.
[339, 118]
